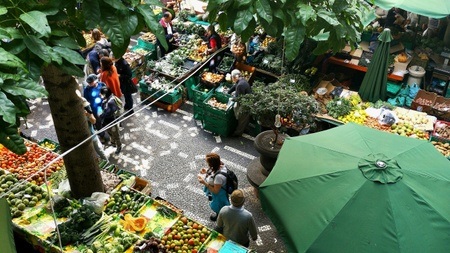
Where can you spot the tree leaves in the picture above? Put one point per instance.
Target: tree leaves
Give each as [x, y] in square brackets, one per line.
[7, 111]
[305, 13]
[264, 10]
[38, 47]
[27, 88]
[10, 60]
[70, 55]
[36, 20]
[116, 4]
[294, 37]
[11, 139]
[330, 17]
[152, 24]
[242, 20]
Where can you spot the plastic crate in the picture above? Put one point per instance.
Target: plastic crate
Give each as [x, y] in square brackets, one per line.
[146, 44]
[50, 142]
[218, 126]
[168, 107]
[216, 112]
[149, 55]
[190, 84]
[200, 93]
[198, 111]
[393, 89]
[225, 68]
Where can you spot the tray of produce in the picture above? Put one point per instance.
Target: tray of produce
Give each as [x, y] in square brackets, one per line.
[30, 165]
[227, 63]
[160, 218]
[217, 103]
[213, 244]
[125, 200]
[49, 144]
[134, 59]
[185, 234]
[211, 79]
[23, 197]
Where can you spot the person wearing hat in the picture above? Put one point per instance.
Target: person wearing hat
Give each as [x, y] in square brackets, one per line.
[241, 87]
[235, 222]
[92, 94]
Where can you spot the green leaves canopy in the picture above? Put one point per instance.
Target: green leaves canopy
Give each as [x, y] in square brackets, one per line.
[296, 20]
[34, 34]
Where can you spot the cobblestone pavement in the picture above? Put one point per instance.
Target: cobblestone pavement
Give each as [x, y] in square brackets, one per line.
[168, 149]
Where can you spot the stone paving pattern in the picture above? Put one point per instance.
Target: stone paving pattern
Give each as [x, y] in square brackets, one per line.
[168, 149]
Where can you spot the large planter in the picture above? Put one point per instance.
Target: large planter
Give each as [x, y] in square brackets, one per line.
[260, 168]
[268, 148]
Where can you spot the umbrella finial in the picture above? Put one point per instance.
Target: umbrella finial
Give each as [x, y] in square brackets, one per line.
[380, 168]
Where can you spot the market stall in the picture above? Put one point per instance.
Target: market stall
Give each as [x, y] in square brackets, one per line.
[123, 219]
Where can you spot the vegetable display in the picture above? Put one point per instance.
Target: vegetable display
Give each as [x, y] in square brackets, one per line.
[125, 200]
[339, 107]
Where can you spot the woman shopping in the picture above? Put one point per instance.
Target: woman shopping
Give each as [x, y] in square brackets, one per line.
[214, 180]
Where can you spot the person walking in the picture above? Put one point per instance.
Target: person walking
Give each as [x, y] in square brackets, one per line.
[110, 108]
[241, 87]
[235, 222]
[126, 83]
[214, 183]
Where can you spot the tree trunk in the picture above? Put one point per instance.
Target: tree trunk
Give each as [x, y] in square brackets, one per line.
[447, 33]
[71, 129]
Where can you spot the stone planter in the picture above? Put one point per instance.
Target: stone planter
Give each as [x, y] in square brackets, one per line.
[260, 168]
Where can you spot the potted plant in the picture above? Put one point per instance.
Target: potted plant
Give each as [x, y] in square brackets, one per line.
[283, 103]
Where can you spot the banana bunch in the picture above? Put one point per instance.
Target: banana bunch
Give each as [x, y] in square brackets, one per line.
[355, 99]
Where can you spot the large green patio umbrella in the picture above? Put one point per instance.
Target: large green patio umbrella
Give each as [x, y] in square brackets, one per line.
[357, 189]
[374, 84]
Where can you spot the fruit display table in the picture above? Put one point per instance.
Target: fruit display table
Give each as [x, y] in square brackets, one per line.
[126, 219]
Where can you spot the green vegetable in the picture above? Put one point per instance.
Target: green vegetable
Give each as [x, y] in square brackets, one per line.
[338, 107]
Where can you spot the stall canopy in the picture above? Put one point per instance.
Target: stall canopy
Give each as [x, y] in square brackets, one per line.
[357, 189]
[428, 8]
[374, 84]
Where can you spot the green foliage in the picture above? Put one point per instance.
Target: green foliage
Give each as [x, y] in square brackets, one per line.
[339, 107]
[296, 20]
[284, 98]
[35, 34]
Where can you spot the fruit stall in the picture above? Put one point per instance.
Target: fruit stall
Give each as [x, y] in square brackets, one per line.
[123, 219]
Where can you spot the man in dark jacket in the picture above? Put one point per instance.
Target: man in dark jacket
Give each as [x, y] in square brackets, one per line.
[241, 87]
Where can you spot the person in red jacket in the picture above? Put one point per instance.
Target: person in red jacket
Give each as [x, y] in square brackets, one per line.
[109, 76]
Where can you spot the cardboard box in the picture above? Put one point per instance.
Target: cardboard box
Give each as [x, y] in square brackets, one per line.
[418, 105]
[441, 108]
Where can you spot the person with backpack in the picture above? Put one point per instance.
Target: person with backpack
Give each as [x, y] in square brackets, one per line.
[111, 106]
[214, 182]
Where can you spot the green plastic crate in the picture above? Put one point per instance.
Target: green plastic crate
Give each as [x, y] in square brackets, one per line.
[56, 145]
[218, 125]
[200, 93]
[216, 112]
[145, 44]
[150, 55]
[198, 111]
[190, 84]
[170, 98]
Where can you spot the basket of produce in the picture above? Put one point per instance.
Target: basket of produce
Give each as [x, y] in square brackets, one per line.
[211, 79]
[158, 86]
[49, 144]
[147, 53]
[147, 40]
[201, 92]
[441, 108]
[227, 63]
[133, 58]
[246, 71]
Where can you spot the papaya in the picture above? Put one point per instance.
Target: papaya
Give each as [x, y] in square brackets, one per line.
[133, 224]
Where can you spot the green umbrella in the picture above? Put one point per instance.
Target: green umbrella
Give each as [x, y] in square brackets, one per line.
[374, 84]
[357, 189]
